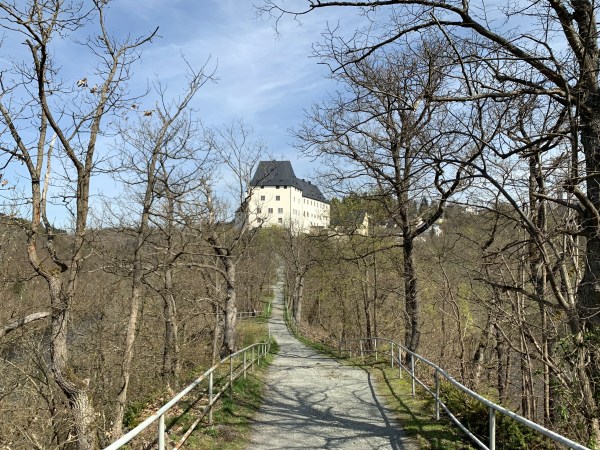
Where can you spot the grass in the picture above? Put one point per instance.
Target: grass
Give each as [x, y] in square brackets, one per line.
[232, 418]
[416, 415]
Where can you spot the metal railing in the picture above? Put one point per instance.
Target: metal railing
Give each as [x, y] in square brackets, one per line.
[246, 358]
[397, 351]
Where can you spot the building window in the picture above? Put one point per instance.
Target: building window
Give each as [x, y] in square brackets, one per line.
[276, 187]
[258, 210]
[262, 198]
[277, 197]
[270, 210]
[280, 220]
[280, 210]
[285, 187]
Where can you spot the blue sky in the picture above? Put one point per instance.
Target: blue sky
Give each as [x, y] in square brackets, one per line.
[264, 78]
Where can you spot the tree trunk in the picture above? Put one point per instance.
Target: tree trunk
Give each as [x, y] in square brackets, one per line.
[299, 298]
[588, 293]
[229, 328]
[76, 390]
[171, 349]
[413, 311]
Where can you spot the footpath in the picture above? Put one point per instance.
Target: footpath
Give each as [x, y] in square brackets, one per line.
[313, 402]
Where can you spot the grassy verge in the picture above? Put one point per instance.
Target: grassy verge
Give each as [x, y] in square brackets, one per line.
[416, 415]
[232, 418]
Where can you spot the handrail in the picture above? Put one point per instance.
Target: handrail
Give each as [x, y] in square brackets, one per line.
[435, 392]
[263, 349]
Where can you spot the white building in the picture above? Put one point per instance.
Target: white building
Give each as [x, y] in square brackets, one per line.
[277, 197]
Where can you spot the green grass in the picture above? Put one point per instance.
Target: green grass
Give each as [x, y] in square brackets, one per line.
[416, 415]
[233, 416]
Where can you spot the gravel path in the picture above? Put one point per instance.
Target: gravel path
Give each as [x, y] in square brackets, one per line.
[314, 402]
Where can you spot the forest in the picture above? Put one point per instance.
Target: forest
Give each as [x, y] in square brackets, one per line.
[467, 134]
[470, 131]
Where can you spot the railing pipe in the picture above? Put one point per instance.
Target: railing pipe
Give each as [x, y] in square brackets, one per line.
[437, 395]
[230, 375]
[399, 362]
[412, 373]
[210, 398]
[492, 429]
[497, 408]
[161, 432]
[159, 415]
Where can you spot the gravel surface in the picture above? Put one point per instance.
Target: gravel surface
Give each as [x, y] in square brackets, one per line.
[314, 402]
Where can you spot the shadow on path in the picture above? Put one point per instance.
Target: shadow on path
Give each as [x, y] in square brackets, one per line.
[312, 401]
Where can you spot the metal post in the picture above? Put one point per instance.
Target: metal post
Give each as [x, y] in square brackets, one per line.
[412, 373]
[210, 398]
[244, 364]
[492, 443]
[230, 376]
[161, 433]
[399, 362]
[392, 355]
[437, 395]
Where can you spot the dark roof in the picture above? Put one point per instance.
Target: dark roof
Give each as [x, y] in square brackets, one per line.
[280, 173]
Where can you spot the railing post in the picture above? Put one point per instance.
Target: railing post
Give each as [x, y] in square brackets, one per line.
[244, 364]
[210, 398]
[437, 395]
[362, 355]
[252, 360]
[399, 362]
[492, 431]
[230, 376]
[375, 349]
[392, 354]
[412, 373]
[161, 433]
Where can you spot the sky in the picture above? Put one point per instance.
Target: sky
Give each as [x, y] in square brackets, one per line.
[265, 78]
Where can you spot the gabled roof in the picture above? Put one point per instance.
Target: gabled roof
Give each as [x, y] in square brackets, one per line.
[280, 173]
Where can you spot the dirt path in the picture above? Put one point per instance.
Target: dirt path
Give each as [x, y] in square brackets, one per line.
[314, 402]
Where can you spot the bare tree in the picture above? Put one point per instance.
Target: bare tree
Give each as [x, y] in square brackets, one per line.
[229, 237]
[548, 50]
[387, 134]
[153, 157]
[35, 104]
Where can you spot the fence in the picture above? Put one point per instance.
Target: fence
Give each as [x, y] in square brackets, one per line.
[396, 353]
[245, 357]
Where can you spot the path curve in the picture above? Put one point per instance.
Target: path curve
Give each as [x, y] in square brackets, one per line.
[312, 401]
